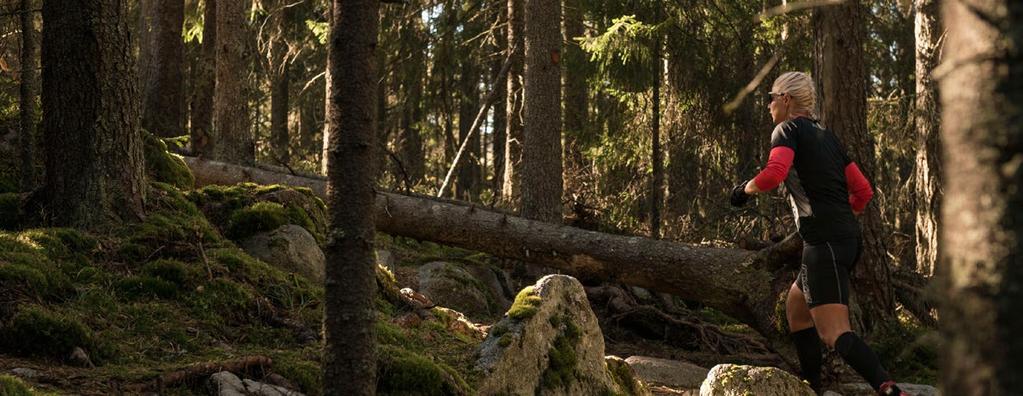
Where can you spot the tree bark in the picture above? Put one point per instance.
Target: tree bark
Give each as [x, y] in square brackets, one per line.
[205, 84]
[841, 75]
[744, 284]
[280, 81]
[410, 141]
[541, 151]
[657, 184]
[981, 234]
[500, 88]
[468, 186]
[576, 95]
[511, 191]
[29, 91]
[164, 92]
[232, 138]
[90, 102]
[928, 163]
[349, 354]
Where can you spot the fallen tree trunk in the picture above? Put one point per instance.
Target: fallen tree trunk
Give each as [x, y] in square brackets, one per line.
[743, 284]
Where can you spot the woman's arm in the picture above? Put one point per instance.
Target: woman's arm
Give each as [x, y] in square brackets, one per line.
[777, 169]
[860, 191]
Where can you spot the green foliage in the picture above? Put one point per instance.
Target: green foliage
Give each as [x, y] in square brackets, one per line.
[527, 302]
[304, 371]
[624, 53]
[35, 331]
[136, 287]
[319, 29]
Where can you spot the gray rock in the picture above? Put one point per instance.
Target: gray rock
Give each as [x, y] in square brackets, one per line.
[671, 373]
[450, 285]
[625, 377]
[550, 345]
[491, 279]
[225, 383]
[290, 248]
[864, 389]
[260, 389]
[738, 380]
[25, 373]
[80, 358]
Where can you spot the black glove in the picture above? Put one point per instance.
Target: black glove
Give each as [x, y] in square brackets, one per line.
[739, 196]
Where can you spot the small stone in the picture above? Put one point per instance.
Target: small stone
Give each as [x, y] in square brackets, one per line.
[80, 358]
[25, 373]
[671, 373]
[279, 380]
[260, 389]
[226, 383]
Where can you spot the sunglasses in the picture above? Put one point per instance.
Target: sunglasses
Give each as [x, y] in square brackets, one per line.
[772, 95]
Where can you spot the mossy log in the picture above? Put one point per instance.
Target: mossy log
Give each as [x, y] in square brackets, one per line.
[746, 285]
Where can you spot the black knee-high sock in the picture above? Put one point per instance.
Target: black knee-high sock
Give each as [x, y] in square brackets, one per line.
[808, 348]
[861, 358]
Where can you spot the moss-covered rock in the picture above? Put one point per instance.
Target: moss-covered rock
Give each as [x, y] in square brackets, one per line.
[164, 166]
[12, 386]
[525, 305]
[35, 331]
[232, 208]
[401, 372]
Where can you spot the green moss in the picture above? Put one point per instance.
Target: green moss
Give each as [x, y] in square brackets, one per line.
[176, 272]
[34, 282]
[562, 360]
[135, 287]
[282, 289]
[34, 331]
[305, 373]
[624, 377]
[909, 351]
[10, 211]
[12, 386]
[163, 166]
[504, 341]
[527, 302]
[223, 302]
[401, 372]
[257, 218]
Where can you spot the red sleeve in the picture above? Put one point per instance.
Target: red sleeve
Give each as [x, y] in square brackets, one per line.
[859, 188]
[777, 168]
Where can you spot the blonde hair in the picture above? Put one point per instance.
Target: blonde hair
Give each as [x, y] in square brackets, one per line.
[800, 87]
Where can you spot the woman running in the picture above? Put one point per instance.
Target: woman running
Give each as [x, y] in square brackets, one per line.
[827, 191]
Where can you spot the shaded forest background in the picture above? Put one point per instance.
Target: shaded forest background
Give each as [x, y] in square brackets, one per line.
[439, 60]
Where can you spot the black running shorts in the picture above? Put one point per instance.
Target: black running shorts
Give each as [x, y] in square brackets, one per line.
[824, 275]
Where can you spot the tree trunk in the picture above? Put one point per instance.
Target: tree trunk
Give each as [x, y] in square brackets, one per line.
[981, 234]
[541, 150]
[29, 90]
[499, 138]
[743, 284]
[841, 75]
[279, 109]
[164, 93]
[576, 96]
[280, 80]
[511, 191]
[94, 166]
[205, 83]
[232, 140]
[657, 184]
[410, 141]
[349, 360]
[928, 166]
[468, 187]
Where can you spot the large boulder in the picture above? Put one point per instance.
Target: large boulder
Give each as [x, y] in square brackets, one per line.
[670, 373]
[548, 343]
[739, 380]
[290, 248]
[450, 285]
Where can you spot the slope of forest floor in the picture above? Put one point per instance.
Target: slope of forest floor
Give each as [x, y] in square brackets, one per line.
[150, 301]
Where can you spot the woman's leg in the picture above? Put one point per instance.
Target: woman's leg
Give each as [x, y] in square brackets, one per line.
[804, 335]
[832, 322]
